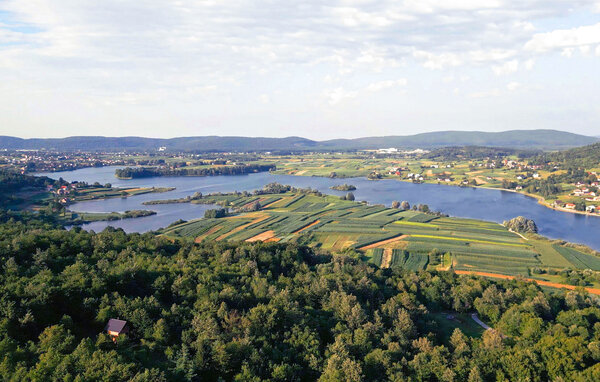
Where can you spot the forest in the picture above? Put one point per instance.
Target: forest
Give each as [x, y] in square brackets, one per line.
[234, 311]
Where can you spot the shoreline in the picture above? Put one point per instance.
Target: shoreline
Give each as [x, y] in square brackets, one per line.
[540, 199]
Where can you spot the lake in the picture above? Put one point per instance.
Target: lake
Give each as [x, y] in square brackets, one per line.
[477, 203]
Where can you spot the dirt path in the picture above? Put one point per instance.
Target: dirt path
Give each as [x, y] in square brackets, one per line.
[539, 282]
[383, 242]
[479, 322]
[515, 232]
[307, 226]
[387, 258]
[267, 235]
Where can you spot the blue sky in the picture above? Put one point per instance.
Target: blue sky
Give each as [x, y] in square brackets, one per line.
[318, 69]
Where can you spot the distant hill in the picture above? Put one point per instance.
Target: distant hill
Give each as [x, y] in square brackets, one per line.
[529, 139]
[518, 139]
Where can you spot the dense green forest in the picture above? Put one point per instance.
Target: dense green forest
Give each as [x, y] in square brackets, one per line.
[12, 182]
[146, 172]
[580, 157]
[266, 311]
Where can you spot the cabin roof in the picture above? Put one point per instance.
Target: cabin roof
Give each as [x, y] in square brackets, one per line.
[115, 325]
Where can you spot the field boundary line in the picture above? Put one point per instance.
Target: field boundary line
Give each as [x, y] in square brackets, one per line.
[539, 282]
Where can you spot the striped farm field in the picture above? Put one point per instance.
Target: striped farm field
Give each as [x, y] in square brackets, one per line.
[380, 235]
[465, 239]
[383, 242]
[416, 224]
[472, 248]
[578, 259]
[377, 256]
[407, 260]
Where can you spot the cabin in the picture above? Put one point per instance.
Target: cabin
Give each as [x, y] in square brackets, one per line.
[115, 328]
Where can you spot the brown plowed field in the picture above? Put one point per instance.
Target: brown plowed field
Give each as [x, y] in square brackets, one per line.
[387, 258]
[267, 235]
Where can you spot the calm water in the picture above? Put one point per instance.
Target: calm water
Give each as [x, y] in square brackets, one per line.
[491, 205]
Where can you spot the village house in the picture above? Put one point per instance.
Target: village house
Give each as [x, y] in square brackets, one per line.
[115, 328]
[590, 209]
[570, 206]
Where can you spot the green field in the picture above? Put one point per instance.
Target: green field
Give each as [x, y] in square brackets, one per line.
[336, 225]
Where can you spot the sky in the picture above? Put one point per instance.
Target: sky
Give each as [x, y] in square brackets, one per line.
[317, 69]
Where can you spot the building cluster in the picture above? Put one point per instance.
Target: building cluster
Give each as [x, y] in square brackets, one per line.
[520, 166]
[63, 192]
[47, 161]
[587, 192]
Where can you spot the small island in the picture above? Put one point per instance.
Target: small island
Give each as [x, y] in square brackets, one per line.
[76, 218]
[343, 187]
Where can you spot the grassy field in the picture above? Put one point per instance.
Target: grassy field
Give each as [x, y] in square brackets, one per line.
[444, 324]
[382, 236]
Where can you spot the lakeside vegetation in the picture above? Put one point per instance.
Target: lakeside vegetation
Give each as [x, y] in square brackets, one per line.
[343, 187]
[74, 217]
[210, 170]
[268, 311]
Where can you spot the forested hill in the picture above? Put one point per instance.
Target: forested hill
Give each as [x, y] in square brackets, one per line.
[581, 157]
[529, 139]
[269, 312]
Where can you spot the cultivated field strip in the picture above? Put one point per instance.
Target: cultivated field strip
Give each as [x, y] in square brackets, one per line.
[400, 238]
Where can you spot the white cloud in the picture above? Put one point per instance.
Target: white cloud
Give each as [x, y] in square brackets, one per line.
[382, 85]
[564, 39]
[337, 95]
[486, 94]
[506, 68]
[340, 94]
[513, 85]
[528, 65]
[163, 57]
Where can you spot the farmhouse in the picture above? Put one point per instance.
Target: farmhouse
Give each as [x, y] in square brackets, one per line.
[115, 328]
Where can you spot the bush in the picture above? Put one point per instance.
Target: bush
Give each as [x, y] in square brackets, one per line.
[521, 224]
[215, 213]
